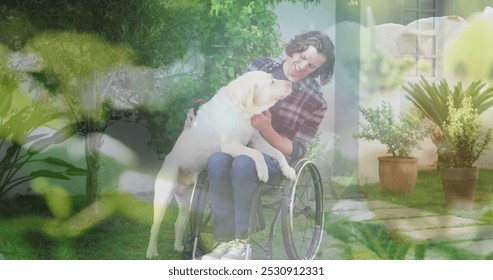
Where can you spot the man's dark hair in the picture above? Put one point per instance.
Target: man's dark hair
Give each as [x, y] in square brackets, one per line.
[324, 46]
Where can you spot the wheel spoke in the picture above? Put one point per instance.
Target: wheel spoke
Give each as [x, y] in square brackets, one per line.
[305, 214]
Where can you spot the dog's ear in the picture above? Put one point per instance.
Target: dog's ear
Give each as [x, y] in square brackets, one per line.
[249, 96]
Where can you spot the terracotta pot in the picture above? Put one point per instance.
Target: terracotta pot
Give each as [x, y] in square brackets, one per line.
[459, 186]
[397, 174]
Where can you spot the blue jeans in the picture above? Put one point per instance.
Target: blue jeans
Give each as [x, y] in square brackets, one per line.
[232, 183]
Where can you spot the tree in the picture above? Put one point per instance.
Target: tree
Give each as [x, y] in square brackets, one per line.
[154, 33]
[74, 62]
[19, 116]
[159, 31]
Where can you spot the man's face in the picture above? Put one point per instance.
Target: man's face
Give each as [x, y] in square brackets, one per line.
[301, 64]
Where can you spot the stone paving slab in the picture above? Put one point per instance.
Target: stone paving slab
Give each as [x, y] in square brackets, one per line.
[453, 233]
[479, 247]
[380, 214]
[358, 215]
[404, 213]
[350, 204]
[409, 224]
[464, 233]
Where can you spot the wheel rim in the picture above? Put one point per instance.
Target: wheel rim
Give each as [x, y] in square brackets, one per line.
[201, 216]
[304, 224]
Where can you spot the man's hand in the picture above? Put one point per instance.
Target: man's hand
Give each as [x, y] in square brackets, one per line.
[192, 113]
[262, 121]
[189, 120]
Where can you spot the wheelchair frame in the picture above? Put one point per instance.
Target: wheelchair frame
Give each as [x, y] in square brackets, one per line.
[297, 203]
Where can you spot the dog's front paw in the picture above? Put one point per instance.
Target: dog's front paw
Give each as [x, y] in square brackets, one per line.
[179, 247]
[289, 172]
[152, 253]
[262, 171]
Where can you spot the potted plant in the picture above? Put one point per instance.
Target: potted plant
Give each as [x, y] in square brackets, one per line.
[397, 171]
[456, 132]
[431, 99]
[463, 142]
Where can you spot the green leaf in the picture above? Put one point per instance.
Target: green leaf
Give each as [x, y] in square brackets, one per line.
[57, 161]
[75, 171]
[7, 161]
[5, 103]
[59, 202]
[60, 136]
[231, 71]
[33, 137]
[48, 174]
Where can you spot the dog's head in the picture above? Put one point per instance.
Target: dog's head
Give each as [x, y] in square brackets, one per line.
[257, 91]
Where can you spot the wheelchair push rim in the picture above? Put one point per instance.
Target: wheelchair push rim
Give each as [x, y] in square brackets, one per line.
[201, 218]
[303, 213]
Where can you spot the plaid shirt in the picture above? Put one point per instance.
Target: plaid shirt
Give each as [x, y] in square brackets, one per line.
[299, 115]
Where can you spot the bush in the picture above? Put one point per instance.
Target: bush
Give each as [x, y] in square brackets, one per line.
[399, 137]
[158, 31]
[463, 140]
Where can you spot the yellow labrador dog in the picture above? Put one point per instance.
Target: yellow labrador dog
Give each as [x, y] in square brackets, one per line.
[222, 124]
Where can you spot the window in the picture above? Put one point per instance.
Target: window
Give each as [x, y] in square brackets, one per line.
[419, 41]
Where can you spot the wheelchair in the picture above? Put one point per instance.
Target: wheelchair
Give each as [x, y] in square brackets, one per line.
[298, 204]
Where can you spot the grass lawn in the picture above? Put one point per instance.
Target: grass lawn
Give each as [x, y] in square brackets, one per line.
[428, 195]
[117, 227]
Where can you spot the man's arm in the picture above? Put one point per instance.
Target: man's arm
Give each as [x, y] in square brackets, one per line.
[263, 123]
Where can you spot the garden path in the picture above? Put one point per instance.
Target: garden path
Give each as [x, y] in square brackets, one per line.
[464, 233]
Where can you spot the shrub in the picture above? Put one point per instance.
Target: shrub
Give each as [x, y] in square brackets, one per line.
[463, 139]
[400, 137]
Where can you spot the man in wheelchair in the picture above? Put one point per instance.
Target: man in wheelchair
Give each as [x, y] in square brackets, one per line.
[290, 126]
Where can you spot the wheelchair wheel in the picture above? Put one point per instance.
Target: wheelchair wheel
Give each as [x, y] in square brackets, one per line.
[303, 213]
[201, 218]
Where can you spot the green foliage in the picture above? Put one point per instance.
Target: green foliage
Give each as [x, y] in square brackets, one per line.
[375, 237]
[15, 126]
[230, 33]
[467, 59]
[437, 101]
[18, 118]
[387, 244]
[76, 61]
[15, 29]
[464, 141]
[428, 195]
[431, 99]
[158, 30]
[381, 74]
[72, 39]
[72, 57]
[233, 34]
[8, 82]
[400, 137]
[164, 114]
[54, 225]
[16, 157]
